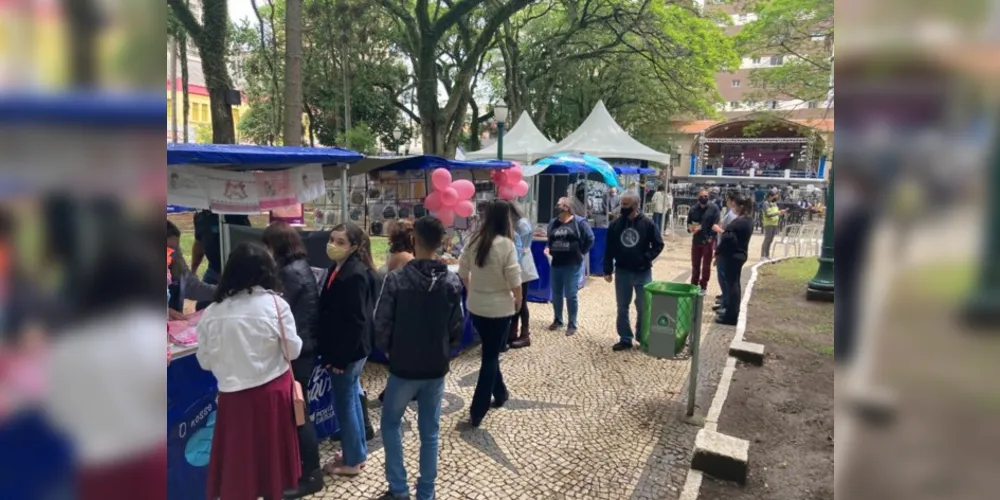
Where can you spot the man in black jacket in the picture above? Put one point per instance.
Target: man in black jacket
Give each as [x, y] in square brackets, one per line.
[634, 242]
[418, 322]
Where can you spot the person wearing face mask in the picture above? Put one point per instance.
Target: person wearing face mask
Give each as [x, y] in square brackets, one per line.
[720, 271]
[732, 255]
[569, 239]
[771, 218]
[634, 241]
[344, 336]
[701, 218]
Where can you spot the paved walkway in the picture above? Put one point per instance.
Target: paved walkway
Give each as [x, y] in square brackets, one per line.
[583, 422]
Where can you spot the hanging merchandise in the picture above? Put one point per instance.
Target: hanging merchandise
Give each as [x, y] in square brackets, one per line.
[232, 192]
[187, 187]
[308, 182]
[274, 188]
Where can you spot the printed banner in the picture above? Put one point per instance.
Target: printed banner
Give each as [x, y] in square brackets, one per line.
[232, 192]
[308, 182]
[275, 189]
[187, 186]
[294, 214]
[320, 400]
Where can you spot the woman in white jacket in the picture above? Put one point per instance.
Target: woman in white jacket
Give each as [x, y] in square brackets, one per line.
[246, 338]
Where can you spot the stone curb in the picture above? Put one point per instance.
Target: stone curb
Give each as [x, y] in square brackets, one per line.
[692, 484]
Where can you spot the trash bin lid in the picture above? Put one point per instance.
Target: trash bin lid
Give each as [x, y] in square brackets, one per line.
[672, 289]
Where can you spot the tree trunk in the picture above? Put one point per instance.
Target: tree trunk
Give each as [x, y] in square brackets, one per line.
[474, 127]
[185, 96]
[293, 73]
[213, 48]
[83, 26]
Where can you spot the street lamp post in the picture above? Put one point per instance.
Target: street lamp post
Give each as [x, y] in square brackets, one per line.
[982, 308]
[396, 134]
[820, 288]
[500, 113]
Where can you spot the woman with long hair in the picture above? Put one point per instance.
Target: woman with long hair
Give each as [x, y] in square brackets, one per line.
[302, 294]
[492, 276]
[732, 254]
[523, 235]
[344, 339]
[246, 338]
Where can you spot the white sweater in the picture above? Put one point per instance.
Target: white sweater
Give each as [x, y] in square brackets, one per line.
[489, 292]
[239, 340]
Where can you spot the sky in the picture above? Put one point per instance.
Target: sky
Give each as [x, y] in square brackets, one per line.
[241, 9]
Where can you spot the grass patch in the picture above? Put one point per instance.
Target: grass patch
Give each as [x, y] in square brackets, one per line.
[799, 270]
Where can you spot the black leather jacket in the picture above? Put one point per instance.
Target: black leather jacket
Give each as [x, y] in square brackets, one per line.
[302, 295]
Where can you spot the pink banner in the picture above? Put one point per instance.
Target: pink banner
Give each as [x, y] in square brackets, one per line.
[275, 189]
[294, 215]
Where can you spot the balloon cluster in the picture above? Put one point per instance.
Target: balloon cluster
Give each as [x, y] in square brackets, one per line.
[510, 182]
[450, 198]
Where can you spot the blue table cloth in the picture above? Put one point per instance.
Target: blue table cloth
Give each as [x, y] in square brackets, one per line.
[192, 398]
[540, 290]
[597, 253]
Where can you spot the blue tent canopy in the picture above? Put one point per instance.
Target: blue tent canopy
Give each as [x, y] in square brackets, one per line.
[430, 162]
[572, 163]
[633, 170]
[142, 111]
[261, 157]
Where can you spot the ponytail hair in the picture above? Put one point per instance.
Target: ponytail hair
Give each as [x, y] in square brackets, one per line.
[743, 205]
[358, 237]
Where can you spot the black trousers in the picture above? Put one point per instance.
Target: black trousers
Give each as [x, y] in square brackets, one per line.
[733, 271]
[308, 442]
[520, 316]
[493, 332]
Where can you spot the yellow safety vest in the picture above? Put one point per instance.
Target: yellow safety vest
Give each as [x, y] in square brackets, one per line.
[771, 215]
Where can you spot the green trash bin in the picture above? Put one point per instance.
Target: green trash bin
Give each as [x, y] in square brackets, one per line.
[668, 318]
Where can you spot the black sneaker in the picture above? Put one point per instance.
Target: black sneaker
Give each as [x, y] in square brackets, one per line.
[722, 320]
[555, 326]
[622, 346]
[717, 307]
[571, 331]
[389, 496]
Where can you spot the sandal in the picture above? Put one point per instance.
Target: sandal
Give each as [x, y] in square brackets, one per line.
[343, 470]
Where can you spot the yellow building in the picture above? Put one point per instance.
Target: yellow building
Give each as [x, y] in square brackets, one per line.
[199, 115]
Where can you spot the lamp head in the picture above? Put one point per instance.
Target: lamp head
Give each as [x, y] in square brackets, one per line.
[500, 111]
[396, 133]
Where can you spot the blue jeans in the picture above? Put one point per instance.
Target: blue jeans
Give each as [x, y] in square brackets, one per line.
[350, 415]
[566, 284]
[721, 273]
[657, 218]
[627, 282]
[398, 393]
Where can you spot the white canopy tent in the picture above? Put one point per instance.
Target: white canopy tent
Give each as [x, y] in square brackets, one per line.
[601, 136]
[523, 143]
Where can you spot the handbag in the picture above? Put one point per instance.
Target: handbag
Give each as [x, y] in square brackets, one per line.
[298, 397]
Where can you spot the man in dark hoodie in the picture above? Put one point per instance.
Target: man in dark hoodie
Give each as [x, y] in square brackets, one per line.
[418, 322]
[634, 242]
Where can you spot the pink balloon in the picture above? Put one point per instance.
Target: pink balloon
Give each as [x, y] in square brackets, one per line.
[506, 193]
[521, 188]
[465, 189]
[446, 216]
[465, 208]
[440, 179]
[433, 201]
[449, 197]
[500, 178]
[514, 175]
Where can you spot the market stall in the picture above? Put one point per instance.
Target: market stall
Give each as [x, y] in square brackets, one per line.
[555, 175]
[401, 191]
[230, 179]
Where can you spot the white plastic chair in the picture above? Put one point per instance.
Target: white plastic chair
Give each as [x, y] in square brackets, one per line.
[791, 236]
[682, 215]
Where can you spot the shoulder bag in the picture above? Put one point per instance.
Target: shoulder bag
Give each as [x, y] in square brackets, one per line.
[298, 397]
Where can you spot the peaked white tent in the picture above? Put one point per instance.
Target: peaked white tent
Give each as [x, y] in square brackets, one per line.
[523, 143]
[601, 136]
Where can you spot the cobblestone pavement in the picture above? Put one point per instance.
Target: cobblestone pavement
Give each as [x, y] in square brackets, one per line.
[583, 422]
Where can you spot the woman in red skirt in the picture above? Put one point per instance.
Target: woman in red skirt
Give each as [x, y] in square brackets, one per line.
[246, 337]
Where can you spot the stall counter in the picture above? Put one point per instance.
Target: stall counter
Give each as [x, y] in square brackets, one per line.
[192, 399]
[540, 290]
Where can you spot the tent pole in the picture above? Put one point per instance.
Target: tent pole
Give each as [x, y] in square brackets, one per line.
[343, 194]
